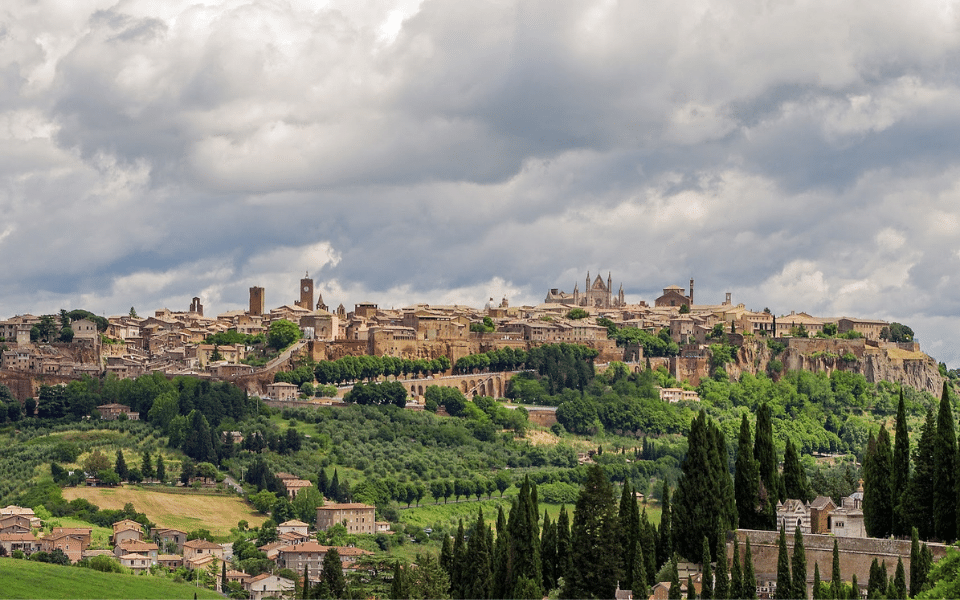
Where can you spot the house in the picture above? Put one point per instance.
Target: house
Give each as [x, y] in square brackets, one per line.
[71, 544]
[357, 517]
[167, 538]
[793, 513]
[170, 561]
[126, 530]
[282, 391]
[269, 586]
[672, 395]
[233, 576]
[14, 524]
[293, 526]
[111, 412]
[294, 486]
[23, 512]
[138, 563]
[148, 549]
[24, 542]
[197, 548]
[199, 561]
[307, 555]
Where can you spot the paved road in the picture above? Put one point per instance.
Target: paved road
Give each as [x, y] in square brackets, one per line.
[232, 483]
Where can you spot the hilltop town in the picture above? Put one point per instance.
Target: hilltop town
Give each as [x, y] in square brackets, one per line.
[181, 342]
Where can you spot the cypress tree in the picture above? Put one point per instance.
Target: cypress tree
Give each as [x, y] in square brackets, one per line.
[524, 546]
[121, 466]
[916, 582]
[595, 565]
[477, 577]
[639, 574]
[799, 565]
[458, 564]
[691, 590]
[944, 479]
[146, 465]
[899, 582]
[918, 499]
[877, 584]
[817, 592]
[665, 537]
[901, 471]
[784, 582]
[728, 501]
[501, 558]
[161, 469]
[794, 475]
[305, 590]
[334, 487]
[877, 495]
[854, 588]
[736, 574]
[562, 565]
[398, 591]
[765, 453]
[548, 553]
[648, 541]
[333, 573]
[628, 533]
[721, 586]
[747, 480]
[322, 483]
[446, 557]
[836, 582]
[706, 588]
[674, 592]
[749, 584]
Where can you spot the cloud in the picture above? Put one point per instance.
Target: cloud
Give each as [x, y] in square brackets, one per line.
[799, 155]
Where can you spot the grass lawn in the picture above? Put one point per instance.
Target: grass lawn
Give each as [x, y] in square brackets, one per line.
[28, 579]
[100, 536]
[181, 511]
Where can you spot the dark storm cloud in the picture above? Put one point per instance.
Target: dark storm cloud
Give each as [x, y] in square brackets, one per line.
[799, 155]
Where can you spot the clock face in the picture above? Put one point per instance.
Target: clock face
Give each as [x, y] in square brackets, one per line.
[306, 288]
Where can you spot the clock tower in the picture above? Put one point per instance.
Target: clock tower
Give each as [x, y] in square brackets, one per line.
[306, 293]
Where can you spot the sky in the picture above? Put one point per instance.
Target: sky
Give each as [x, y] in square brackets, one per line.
[800, 155]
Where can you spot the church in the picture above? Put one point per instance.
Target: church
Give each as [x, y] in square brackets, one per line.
[595, 295]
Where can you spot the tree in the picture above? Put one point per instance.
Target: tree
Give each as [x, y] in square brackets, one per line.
[877, 495]
[161, 469]
[918, 499]
[96, 462]
[564, 556]
[525, 545]
[901, 472]
[66, 334]
[665, 547]
[736, 573]
[428, 580]
[333, 573]
[749, 587]
[305, 504]
[282, 333]
[146, 465]
[478, 571]
[721, 587]
[784, 581]
[817, 584]
[944, 479]
[706, 589]
[747, 480]
[836, 582]
[794, 475]
[674, 593]
[594, 569]
[877, 584]
[120, 466]
[765, 453]
[548, 553]
[899, 583]
[799, 565]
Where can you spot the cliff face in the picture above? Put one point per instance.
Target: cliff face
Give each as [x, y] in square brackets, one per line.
[876, 361]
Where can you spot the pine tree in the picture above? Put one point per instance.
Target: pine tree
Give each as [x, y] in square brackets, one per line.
[721, 586]
[548, 553]
[794, 475]
[595, 564]
[706, 588]
[901, 471]
[817, 592]
[665, 537]
[747, 480]
[749, 585]
[562, 565]
[836, 581]
[877, 495]
[161, 469]
[944, 477]
[784, 582]
[799, 565]
[765, 453]
[736, 573]
[918, 499]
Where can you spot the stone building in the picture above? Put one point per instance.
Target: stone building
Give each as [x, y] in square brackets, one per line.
[596, 294]
[357, 517]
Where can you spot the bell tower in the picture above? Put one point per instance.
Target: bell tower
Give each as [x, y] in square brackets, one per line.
[306, 293]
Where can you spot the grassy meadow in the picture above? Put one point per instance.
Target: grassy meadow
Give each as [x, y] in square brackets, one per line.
[28, 579]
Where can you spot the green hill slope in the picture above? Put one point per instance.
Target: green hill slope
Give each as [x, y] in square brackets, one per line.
[27, 579]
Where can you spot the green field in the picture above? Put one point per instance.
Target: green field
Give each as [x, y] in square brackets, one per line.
[28, 579]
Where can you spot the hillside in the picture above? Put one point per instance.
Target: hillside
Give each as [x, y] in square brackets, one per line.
[184, 511]
[28, 579]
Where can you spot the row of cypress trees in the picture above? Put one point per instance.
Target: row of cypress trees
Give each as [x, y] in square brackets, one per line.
[898, 498]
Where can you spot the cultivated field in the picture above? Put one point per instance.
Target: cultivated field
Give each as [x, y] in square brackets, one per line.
[181, 511]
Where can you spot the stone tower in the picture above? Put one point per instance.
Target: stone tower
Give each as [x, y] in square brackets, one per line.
[256, 302]
[306, 293]
[691, 292]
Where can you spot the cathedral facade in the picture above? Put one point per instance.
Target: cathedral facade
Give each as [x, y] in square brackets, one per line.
[596, 294]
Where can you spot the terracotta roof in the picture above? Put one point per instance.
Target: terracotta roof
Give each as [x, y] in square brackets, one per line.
[350, 505]
[306, 547]
[132, 545]
[17, 537]
[202, 545]
[293, 523]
